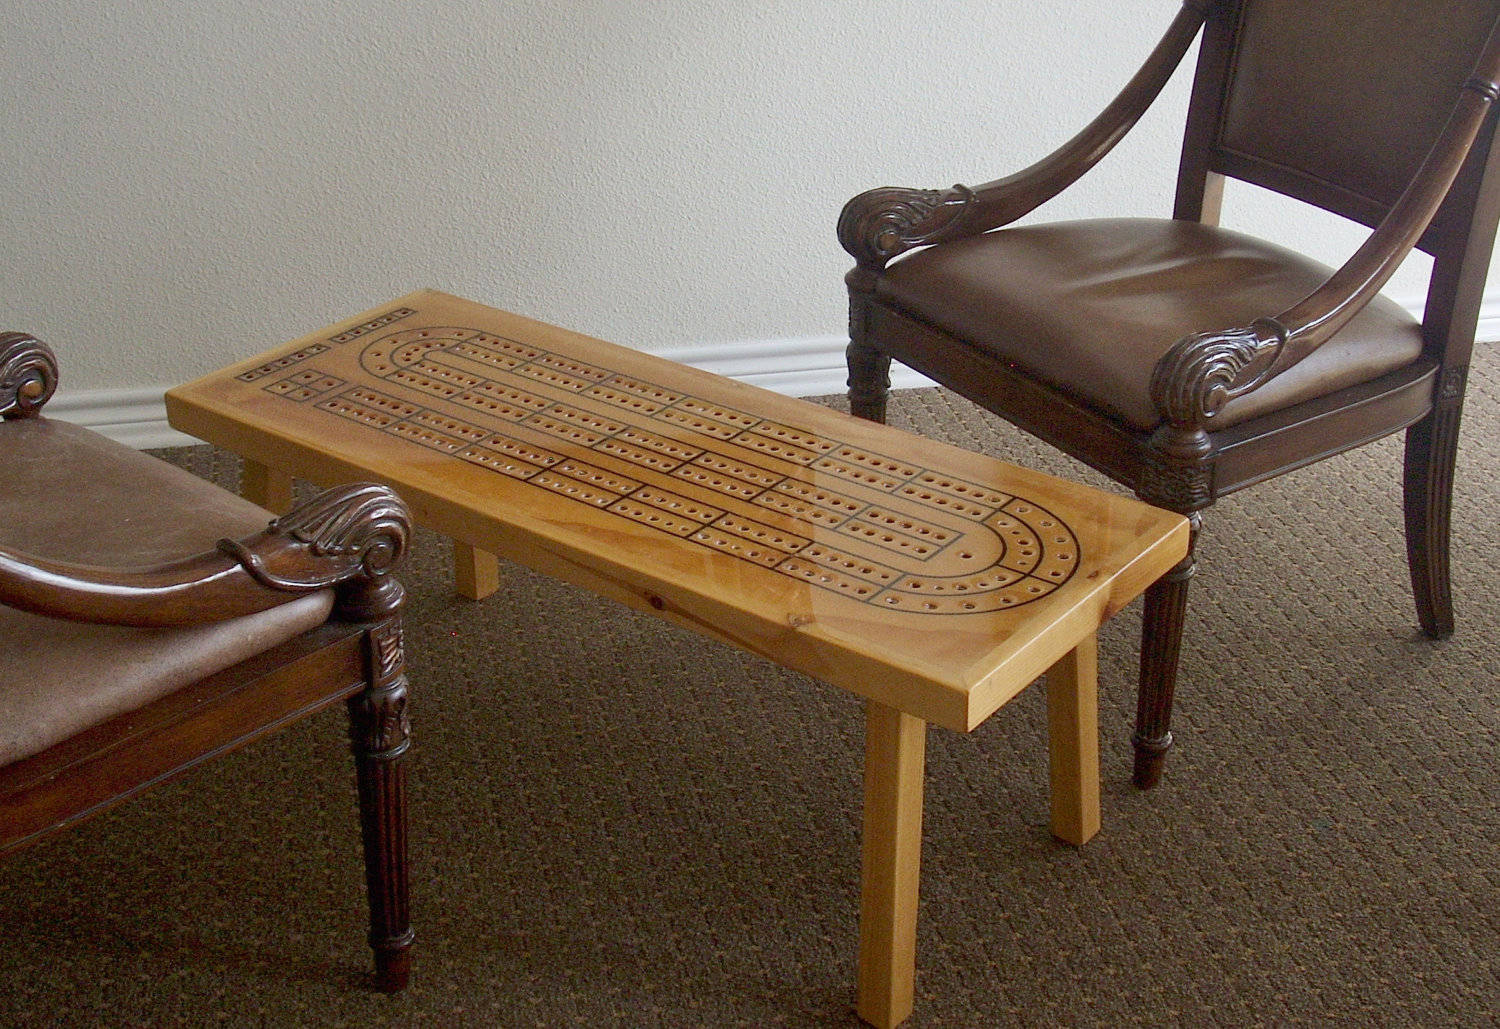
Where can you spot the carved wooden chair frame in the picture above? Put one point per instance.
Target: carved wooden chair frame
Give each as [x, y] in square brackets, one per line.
[348, 539]
[1450, 211]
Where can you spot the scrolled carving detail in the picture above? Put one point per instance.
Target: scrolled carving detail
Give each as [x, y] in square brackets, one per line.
[879, 224]
[392, 727]
[28, 375]
[357, 532]
[1203, 372]
[367, 521]
[379, 725]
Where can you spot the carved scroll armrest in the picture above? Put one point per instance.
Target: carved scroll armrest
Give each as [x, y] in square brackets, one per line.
[1204, 371]
[880, 224]
[349, 538]
[28, 375]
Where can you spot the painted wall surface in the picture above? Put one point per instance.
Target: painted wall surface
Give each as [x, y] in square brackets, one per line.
[187, 183]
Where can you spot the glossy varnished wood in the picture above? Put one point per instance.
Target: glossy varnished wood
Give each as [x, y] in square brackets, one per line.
[934, 582]
[921, 576]
[346, 540]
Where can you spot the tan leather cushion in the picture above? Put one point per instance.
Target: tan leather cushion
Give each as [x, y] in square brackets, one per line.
[66, 492]
[1090, 307]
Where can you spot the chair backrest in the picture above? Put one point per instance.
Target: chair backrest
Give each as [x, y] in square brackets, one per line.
[1333, 102]
[1337, 103]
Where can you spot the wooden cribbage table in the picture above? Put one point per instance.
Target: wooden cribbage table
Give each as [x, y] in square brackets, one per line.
[934, 582]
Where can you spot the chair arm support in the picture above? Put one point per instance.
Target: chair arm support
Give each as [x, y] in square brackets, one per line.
[881, 224]
[349, 538]
[1204, 371]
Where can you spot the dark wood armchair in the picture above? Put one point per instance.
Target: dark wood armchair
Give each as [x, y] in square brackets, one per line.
[150, 621]
[1187, 361]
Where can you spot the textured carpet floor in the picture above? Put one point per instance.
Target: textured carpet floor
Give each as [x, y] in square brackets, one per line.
[615, 823]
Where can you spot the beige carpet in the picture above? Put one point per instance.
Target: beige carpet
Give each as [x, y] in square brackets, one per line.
[618, 824]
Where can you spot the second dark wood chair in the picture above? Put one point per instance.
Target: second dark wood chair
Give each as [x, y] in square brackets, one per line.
[1188, 361]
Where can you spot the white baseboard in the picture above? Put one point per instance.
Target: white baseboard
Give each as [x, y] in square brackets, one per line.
[135, 417]
[806, 367]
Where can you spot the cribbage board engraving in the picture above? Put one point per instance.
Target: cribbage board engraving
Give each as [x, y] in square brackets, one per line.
[861, 524]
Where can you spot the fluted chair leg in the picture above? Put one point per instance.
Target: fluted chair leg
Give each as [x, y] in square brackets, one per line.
[1431, 452]
[1161, 644]
[869, 381]
[381, 734]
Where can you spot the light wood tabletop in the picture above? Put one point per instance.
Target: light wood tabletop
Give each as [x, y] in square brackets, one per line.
[934, 582]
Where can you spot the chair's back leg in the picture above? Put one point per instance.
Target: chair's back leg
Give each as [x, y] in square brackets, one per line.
[1431, 451]
[380, 734]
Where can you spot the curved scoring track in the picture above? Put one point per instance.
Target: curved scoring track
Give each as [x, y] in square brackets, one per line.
[870, 527]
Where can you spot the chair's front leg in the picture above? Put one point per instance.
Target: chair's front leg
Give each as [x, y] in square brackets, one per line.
[869, 381]
[1161, 645]
[380, 733]
[869, 369]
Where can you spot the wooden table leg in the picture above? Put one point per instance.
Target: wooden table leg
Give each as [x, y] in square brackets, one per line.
[895, 756]
[269, 487]
[476, 573]
[1073, 742]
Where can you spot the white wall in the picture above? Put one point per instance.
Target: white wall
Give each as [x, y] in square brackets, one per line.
[188, 182]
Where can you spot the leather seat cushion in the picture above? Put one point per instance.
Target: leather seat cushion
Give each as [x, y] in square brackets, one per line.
[1089, 307]
[74, 495]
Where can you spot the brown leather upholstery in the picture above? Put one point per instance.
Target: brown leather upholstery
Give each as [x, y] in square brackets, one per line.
[1364, 122]
[122, 509]
[72, 493]
[1092, 306]
[60, 677]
